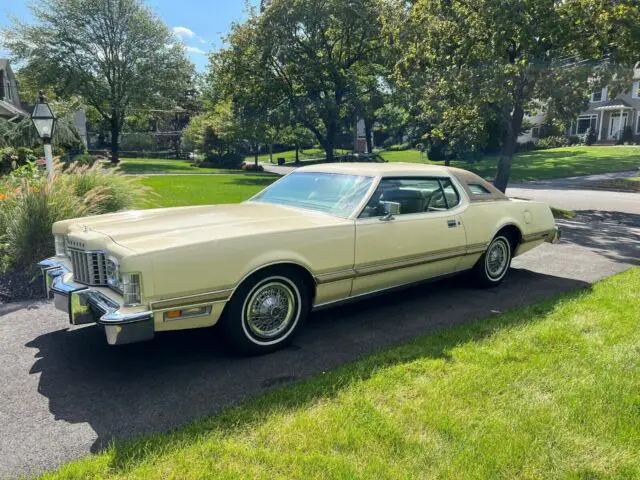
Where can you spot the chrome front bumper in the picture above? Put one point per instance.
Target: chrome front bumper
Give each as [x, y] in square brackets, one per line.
[85, 306]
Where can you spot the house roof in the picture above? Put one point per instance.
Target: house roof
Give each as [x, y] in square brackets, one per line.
[11, 110]
[614, 104]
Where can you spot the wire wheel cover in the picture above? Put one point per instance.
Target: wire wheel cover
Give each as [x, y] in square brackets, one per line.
[497, 258]
[270, 310]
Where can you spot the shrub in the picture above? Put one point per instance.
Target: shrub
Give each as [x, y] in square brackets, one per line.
[27, 217]
[550, 128]
[252, 167]
[573, 140]
[551, 142]
[105, 189]
[399, 147]
[231, 160]
[12, 158]
[627, 134]
[591, 137]
[29, 205]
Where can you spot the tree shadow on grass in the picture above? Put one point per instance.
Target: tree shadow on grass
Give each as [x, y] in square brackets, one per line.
[180, 377]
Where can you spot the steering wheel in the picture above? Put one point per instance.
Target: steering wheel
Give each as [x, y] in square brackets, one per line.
[428, 206]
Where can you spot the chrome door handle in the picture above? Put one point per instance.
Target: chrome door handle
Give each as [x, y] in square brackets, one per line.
[452, 223]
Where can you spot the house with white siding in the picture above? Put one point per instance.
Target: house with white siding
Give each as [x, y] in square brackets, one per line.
[607, 115]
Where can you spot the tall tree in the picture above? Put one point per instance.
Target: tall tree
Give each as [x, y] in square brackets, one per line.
[482, 56]
[117, 54]
[306, 55]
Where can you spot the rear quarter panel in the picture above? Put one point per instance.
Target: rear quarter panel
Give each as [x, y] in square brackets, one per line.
[482, 220]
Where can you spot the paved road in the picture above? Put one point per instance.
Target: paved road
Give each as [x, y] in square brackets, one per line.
[574, 193]
[65, 393]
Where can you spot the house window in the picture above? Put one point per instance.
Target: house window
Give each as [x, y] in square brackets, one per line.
[638, 127]
[635, 89]
[1, 84]
[599, 95]
[585, 122]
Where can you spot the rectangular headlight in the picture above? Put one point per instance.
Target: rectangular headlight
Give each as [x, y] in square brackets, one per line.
[61, 245]
[131, 289]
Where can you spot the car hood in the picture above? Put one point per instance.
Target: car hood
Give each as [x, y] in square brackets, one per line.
[146, 230]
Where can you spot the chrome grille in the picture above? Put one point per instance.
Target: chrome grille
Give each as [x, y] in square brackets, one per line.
[89, 268]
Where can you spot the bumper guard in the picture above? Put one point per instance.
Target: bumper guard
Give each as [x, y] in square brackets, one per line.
[85, 306]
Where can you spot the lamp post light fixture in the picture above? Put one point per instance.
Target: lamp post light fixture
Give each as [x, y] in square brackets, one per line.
[45, 122]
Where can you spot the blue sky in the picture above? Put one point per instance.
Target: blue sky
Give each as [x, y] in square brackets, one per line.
[199, 23]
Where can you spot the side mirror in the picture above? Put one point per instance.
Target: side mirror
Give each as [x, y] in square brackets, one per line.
[390, 209]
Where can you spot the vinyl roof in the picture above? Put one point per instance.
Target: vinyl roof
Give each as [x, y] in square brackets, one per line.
[375, 169]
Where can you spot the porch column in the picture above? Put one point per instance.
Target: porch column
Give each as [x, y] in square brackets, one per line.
[621, 124]
[571, 129]
[600, 125]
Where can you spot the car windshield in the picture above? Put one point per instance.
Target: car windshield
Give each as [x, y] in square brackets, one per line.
[337, 194]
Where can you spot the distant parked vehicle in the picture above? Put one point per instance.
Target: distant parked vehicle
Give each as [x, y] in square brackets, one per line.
[322, 235]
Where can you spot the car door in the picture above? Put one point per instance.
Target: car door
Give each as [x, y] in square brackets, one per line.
[424, 239]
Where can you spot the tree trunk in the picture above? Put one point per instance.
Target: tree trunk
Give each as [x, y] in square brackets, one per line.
[115, 138]
[271, 153]
[297, 153]
[328, 151]
[509, 144]
[330, 141]
[368, 123]
[255, 155]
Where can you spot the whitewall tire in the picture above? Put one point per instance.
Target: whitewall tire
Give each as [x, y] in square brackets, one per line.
[266, 311]
[493, 265]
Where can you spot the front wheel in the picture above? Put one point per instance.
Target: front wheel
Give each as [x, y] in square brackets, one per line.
[265, 312]
[494, 263]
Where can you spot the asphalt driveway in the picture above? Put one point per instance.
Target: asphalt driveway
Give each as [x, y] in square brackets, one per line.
[65, 393]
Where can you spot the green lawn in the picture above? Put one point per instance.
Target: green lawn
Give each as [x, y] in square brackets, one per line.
[536, 165]
[177, 190]
[544, 164]
[547, 391]
[163, 165]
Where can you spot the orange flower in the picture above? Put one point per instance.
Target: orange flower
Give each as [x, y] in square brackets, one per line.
[2, 196]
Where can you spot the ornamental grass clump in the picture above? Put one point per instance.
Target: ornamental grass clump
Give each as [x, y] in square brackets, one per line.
[29, 205]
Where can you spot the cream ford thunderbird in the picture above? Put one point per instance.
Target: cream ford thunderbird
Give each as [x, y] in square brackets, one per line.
[316, 237]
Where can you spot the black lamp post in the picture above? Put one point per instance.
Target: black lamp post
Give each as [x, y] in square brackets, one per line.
[45, 122]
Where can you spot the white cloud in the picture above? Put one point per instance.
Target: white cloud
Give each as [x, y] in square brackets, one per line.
[202, 40]
[191, 49]
[184, 32]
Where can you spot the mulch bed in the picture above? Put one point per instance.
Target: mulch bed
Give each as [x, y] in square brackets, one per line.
[20, 285]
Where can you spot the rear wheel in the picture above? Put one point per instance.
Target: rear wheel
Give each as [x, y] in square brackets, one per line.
[494, 263]
[266, 311]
